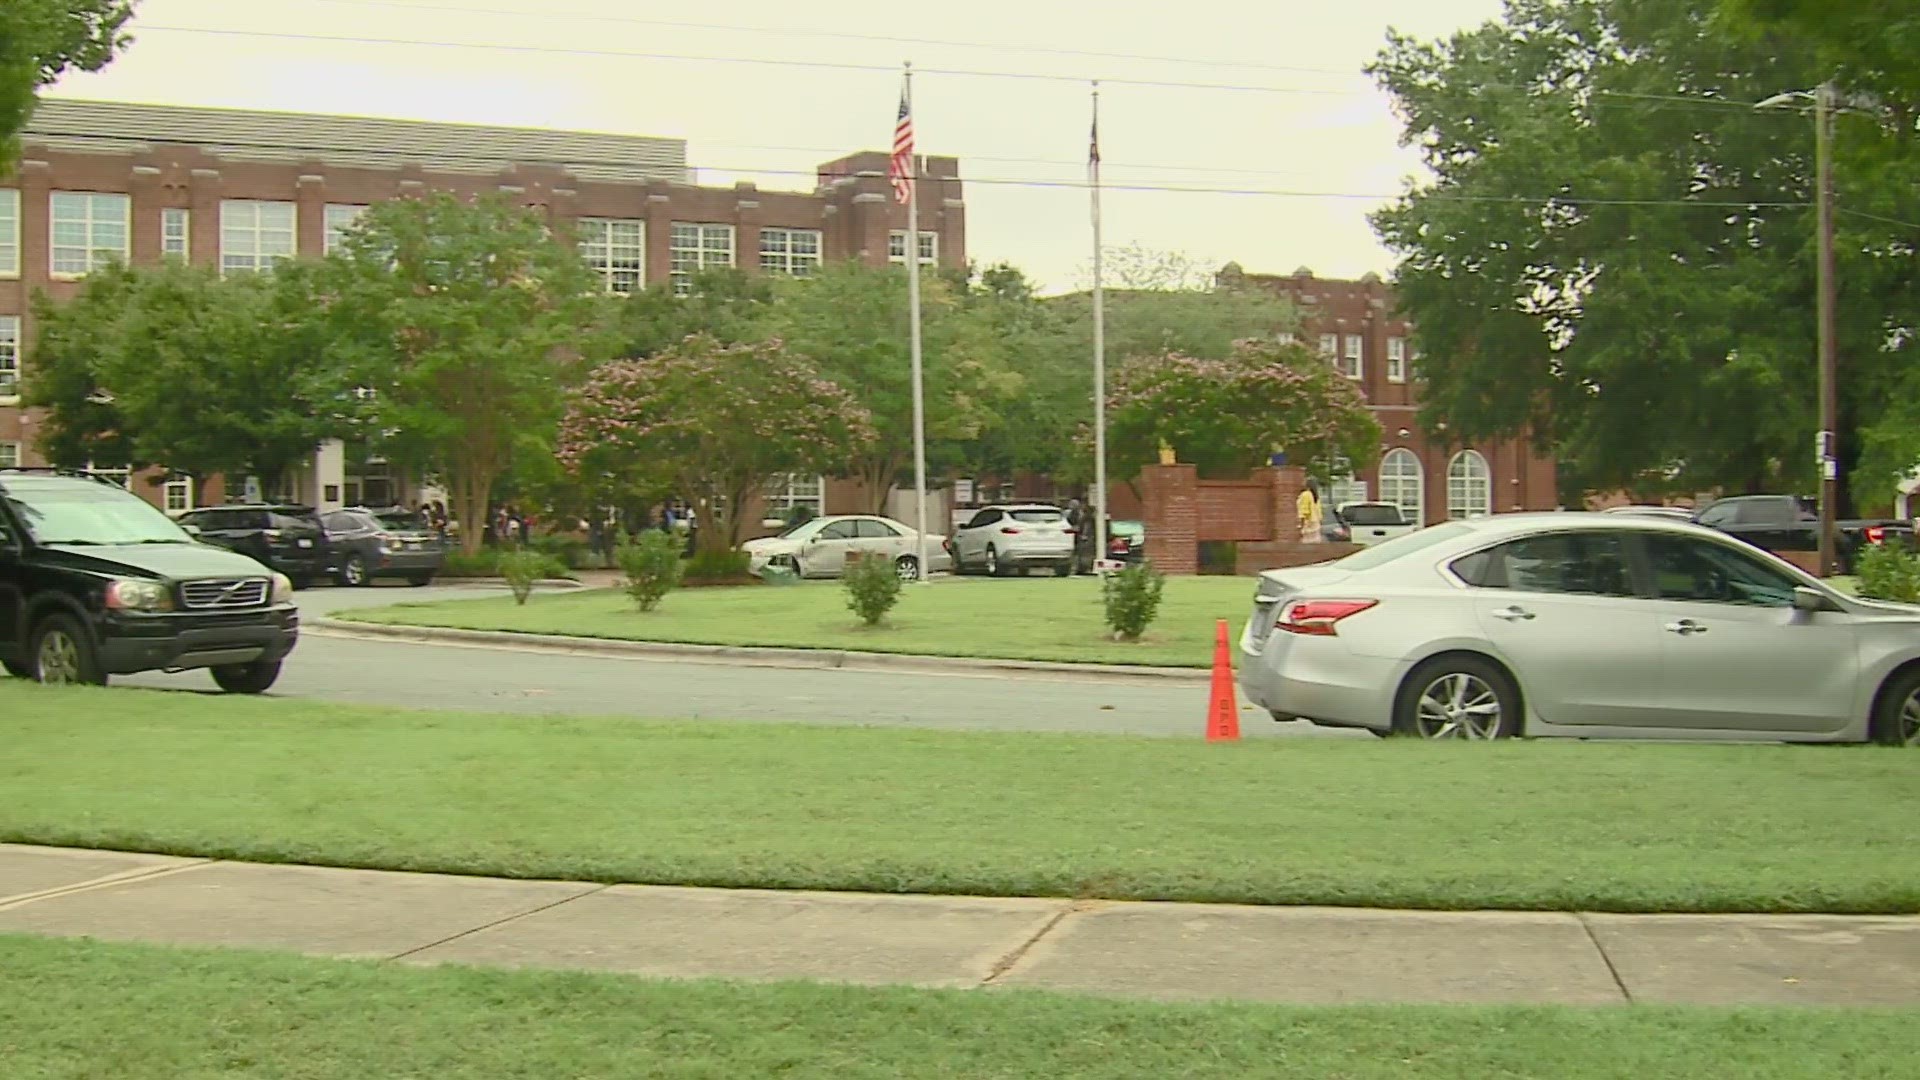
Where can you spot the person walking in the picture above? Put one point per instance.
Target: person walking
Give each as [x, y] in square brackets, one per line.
[1308, 508]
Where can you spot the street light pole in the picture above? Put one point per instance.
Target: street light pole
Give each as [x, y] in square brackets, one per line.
[1827, 452]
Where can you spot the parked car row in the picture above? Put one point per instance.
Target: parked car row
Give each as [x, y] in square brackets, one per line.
[353, 547]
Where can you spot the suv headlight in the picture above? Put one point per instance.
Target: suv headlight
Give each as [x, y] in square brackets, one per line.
[132, 595]
[282, 589]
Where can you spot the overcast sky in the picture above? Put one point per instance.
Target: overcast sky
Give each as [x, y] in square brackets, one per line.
[1329, 133]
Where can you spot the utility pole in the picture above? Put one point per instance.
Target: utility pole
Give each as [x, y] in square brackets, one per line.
[1827, 450]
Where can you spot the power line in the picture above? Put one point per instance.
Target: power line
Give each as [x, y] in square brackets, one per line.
[1877, 217]
[846, 36]
[833, 65]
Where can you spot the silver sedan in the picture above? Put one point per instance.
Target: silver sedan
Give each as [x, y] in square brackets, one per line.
[1580, 625]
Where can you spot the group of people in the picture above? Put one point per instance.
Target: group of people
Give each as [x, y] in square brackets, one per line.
[607, 525]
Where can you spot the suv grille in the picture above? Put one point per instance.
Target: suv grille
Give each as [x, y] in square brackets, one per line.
[226, 593]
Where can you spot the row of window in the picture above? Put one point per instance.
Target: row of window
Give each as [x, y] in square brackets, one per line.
[1403, 482]
[91, 229]
[1348, 352]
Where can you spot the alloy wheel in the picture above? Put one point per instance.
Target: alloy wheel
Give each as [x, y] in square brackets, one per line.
[993, 563]
[1909, 733]
[907, 570]
[58, 662]
[355, 571]
[1458, 706]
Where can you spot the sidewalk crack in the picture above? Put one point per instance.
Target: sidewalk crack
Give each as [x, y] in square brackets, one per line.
[1604, 958]
[1019, 952]
[472, 930]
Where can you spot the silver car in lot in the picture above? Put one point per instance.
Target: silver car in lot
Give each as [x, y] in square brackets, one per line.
[1015, 538]
[1580, 625]
[820, 547]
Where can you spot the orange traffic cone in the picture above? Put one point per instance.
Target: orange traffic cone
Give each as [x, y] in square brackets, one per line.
[1223, 707]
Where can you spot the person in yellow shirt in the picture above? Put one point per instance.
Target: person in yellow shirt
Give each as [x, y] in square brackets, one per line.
[1308, 508]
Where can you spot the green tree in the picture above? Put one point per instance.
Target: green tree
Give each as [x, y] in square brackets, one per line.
[1228, 415]
[726, 303]
[706, 419]
[852, 320]
[41, 39]
[176, 366]
[1615, 253]
[466, 319]
[1866, 45]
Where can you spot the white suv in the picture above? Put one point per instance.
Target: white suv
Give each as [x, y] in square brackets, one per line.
[1002, 539]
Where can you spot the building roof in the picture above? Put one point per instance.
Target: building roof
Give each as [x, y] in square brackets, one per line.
[351, 142]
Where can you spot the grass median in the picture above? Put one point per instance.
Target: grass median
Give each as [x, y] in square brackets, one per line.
[1551, 826]
[81, 1009]
[1017, 619]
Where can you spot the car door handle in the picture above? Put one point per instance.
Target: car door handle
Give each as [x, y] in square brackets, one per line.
[1685, 627]
[1512, 614]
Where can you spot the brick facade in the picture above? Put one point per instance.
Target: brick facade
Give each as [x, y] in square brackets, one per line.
[163, 158]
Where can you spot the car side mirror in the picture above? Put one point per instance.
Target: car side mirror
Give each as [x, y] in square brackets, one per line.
[1805, 599]
[191, 530]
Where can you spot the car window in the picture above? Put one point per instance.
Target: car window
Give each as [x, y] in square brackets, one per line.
[340, 523]
[1766, 512]
[1689, 568]
[839, 530]
[983, 519]
[1719, 515]
[1038, 517]
[1372, 514]
[285, 521]
[400, 521]
[1579, 563]
[871, 529]
[1401, 546]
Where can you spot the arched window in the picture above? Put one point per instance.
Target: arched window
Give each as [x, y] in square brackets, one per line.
[1404, 483]
[1469, 486]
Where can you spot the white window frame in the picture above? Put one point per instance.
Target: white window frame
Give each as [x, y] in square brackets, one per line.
[1285, 337]
[178, 490]
[1352, 358]
[1330, 347]
[785, 251]
[176, 233]
[795, 489]
[339, 217]
[897, 248]
[122, 474]
[10, 334]
[619, 258]
[9, 232]
[1403, 482]
[95, 213]
[1469, 486]
[693, 246]
[244, 231]
[12, 450]
[1396, 359]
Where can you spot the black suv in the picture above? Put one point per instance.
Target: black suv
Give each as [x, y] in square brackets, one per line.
[96, 582]
[280, 537]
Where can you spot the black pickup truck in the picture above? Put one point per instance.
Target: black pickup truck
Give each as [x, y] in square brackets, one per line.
[1792, 523]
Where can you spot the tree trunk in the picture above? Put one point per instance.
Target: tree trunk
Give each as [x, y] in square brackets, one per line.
[471, 488]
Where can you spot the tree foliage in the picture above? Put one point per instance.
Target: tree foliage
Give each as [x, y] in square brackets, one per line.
[1616, 252]
[174, 365]
[711, 420]
[1229, 415]
[466, 319]
[40, 40]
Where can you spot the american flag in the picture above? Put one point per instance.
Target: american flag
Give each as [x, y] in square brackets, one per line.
[900, 170]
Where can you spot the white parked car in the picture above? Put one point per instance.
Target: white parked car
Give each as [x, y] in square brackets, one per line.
[1369, 523]
[1580, 625]
[1015, 538]
[819, 547]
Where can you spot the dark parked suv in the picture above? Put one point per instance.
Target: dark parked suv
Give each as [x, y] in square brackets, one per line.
[96, 582]
[289, 539]
[394, 543]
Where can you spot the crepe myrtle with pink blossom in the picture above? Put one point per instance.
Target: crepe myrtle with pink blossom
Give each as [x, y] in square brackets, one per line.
[714, 421]
[1229, 415]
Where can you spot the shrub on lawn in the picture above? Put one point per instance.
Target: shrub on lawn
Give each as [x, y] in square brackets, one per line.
[1889, 572]
[568, 551]
[873, 587]
[487, 565]
[522, 568]
[1132, 600]
[653, 567]
[719, 567]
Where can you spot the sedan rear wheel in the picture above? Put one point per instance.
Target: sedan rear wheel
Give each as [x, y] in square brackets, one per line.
[993, 567]
[1461, 697]
[907, 569]
[1896, 722]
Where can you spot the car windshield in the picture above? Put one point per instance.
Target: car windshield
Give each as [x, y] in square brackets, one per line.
[401, 521]
[1036, 517]
[81, 515]
[1401, 546]
[1371, 514]
[801, 531]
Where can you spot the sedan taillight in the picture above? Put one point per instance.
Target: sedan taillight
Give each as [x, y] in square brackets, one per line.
[1318, 618]
[1876, 534]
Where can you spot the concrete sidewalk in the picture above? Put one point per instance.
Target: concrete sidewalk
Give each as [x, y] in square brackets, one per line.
[1159, 951]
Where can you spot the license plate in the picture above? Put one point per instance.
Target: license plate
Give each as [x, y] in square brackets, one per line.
[305, 543]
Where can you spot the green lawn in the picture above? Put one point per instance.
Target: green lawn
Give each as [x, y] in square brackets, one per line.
[1017, 619]
[1382, 823]
[80, 1010]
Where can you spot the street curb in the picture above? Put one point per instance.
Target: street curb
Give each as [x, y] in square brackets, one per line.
[757, 655]
[501, 583]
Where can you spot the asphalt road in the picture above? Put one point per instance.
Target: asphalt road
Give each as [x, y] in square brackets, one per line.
[385, 672]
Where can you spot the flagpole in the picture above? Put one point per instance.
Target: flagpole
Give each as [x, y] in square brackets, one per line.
[913, 315]
[1099, 346]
